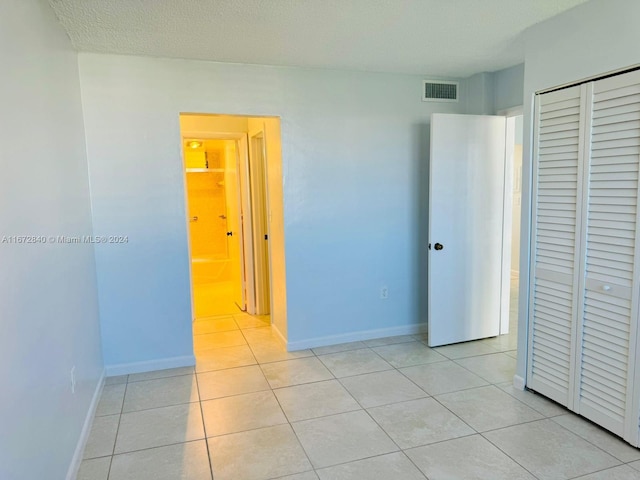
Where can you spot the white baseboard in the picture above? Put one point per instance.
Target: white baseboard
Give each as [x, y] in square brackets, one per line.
[150, 365]
[518, 382]
[76, 460]
[357, 336]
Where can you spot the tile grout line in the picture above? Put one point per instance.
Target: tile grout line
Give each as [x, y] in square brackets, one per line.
[290, 424]
[324, 416]
[443, 406]
[253, 353]
[536, 396]
[509, 456]
[357, 402]
[599, 471]
[204, 427]
[586, 439]
[459, 418]
[376, 456]
[400, 449]
[477, 374]
[164, 377]
[339, 380]
[475, 432]
[172, 444]
[115, 440]
[472, 428]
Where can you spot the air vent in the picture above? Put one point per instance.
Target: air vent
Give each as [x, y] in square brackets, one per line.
[440, 91]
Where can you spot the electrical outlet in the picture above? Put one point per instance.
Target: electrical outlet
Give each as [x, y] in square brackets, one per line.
[384, 292]
[73, 379]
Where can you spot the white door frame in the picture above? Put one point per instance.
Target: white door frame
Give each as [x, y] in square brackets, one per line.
[245, 223]
[258, 177]
[505, 288]
[505, 294]
[267, 199]
[246, 259]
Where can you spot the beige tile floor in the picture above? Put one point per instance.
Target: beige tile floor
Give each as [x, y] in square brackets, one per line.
[389, 409]
[213, 298]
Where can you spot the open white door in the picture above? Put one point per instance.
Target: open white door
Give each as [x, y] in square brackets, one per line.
[234, 226]
[466, 188]
[260, 221]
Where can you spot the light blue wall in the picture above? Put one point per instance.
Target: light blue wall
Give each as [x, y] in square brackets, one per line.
[490, 93]
[479, 94]
[355, 151]
[48, 300]
[592, 39]
[508, 87]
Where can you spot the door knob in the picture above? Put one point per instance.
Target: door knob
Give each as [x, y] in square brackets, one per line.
[229, 234]
[438, 246]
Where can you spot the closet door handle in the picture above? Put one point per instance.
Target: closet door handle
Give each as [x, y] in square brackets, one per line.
[606, 288]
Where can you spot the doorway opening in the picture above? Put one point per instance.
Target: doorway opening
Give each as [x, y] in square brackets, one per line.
[233, 190]
[512, 217]
[212, 200]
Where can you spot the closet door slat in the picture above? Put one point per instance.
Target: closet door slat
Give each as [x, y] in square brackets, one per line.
[555, 235]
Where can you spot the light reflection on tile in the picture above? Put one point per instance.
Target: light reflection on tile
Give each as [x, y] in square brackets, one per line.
[390, 394]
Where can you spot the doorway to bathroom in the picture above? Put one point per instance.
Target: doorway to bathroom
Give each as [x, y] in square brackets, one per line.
[218, 283]
[233, 189]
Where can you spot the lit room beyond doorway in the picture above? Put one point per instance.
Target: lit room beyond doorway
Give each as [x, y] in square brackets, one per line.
[234, 219]
[212, 197]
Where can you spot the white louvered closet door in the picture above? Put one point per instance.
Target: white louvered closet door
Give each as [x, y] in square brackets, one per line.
[609, 291]
[555, 269]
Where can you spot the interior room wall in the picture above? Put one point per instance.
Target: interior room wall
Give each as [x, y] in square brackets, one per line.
[479, 94]
[49, 321]
[508, 88]
[594, 38]
[354, 160]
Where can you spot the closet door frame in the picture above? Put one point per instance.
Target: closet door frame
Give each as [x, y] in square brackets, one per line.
[631, 431]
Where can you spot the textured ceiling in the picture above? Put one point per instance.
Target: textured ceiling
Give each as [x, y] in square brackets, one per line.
[437, 37]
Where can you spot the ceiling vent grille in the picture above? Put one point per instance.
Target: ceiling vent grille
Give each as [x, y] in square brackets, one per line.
[440, 91]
